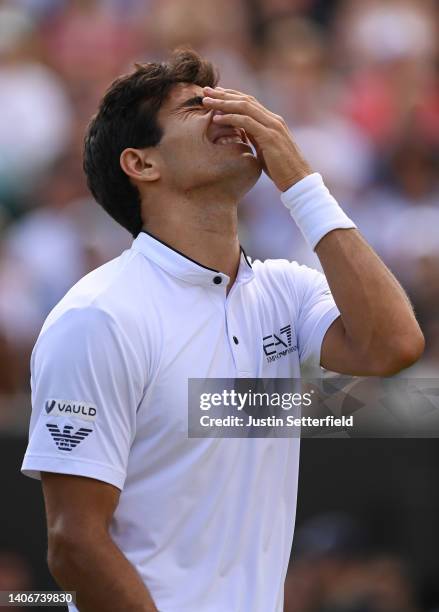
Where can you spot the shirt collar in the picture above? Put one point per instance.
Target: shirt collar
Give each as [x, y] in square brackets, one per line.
[185, 268]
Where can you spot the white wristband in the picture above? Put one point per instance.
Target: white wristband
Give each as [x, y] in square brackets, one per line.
[315, 211]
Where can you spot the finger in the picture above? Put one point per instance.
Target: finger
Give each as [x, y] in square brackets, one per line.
[229, 94]
[224, 95]
[239, 93]
[252, 128]
[251, 140]
[221, 91]
[243, 107]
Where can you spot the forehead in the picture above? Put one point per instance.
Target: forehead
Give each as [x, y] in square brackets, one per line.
[178, 94]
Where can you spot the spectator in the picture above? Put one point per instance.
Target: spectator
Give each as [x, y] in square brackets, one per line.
[35, 115]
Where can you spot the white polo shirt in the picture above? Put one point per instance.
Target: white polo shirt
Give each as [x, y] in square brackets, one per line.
[208, 522]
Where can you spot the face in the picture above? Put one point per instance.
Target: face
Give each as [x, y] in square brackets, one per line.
[195, 152]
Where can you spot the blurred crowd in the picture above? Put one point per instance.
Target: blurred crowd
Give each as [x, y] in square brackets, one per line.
[335, 569]
[357, 81]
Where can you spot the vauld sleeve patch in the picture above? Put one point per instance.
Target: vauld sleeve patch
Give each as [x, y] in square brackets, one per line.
[70, 408]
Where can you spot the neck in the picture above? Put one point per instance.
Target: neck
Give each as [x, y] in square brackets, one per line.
[200, 226]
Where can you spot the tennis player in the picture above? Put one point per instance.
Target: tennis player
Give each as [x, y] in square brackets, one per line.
[140, 517]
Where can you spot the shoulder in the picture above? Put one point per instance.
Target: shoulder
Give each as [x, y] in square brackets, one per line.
[106, 309]
[287, 275]
[108, 293]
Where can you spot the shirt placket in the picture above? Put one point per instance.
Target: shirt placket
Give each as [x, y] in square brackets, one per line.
[238, 347]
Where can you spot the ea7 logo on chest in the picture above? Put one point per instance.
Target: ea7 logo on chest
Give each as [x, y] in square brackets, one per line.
[80, 410]
[279, 344]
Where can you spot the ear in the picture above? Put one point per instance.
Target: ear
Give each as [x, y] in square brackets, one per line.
[140, 164]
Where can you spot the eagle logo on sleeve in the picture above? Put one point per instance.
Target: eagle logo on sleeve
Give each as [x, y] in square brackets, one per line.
[67, 440]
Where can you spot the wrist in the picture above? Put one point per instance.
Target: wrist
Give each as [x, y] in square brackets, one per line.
[296, 172]
[314, 209]
[294, 179]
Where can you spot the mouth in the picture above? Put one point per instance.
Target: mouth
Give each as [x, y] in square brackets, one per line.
[231, 137]
[226, 140]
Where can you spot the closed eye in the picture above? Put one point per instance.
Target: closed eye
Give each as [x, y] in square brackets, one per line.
[192, 104]
[201, 108]
[187, 112]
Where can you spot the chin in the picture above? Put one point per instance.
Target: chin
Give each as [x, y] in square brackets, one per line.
[234, 174]
[248, 165]
[242, 174]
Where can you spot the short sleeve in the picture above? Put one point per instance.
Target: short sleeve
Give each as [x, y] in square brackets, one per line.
[316, 312]
[85, 391]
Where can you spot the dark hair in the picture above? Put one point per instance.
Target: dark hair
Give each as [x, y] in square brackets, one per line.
[127, 117]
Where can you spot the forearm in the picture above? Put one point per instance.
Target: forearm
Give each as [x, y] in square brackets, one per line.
[377, 334]
[100, 574]
[375, 310]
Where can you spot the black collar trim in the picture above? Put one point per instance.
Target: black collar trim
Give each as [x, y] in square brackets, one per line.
[193, 260]
[247, 260]
[180, 253]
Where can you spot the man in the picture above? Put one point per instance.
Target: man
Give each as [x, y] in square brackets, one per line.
[140, 517]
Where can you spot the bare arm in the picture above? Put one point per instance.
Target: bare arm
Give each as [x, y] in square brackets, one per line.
[377, 333]
[82, 557]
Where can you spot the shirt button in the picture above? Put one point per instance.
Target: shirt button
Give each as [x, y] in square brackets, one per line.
[235, 340]
[217, 280]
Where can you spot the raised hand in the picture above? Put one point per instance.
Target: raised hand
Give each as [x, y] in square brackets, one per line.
[280, 157]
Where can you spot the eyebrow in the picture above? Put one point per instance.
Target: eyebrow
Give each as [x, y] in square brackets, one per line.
[194, 101]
